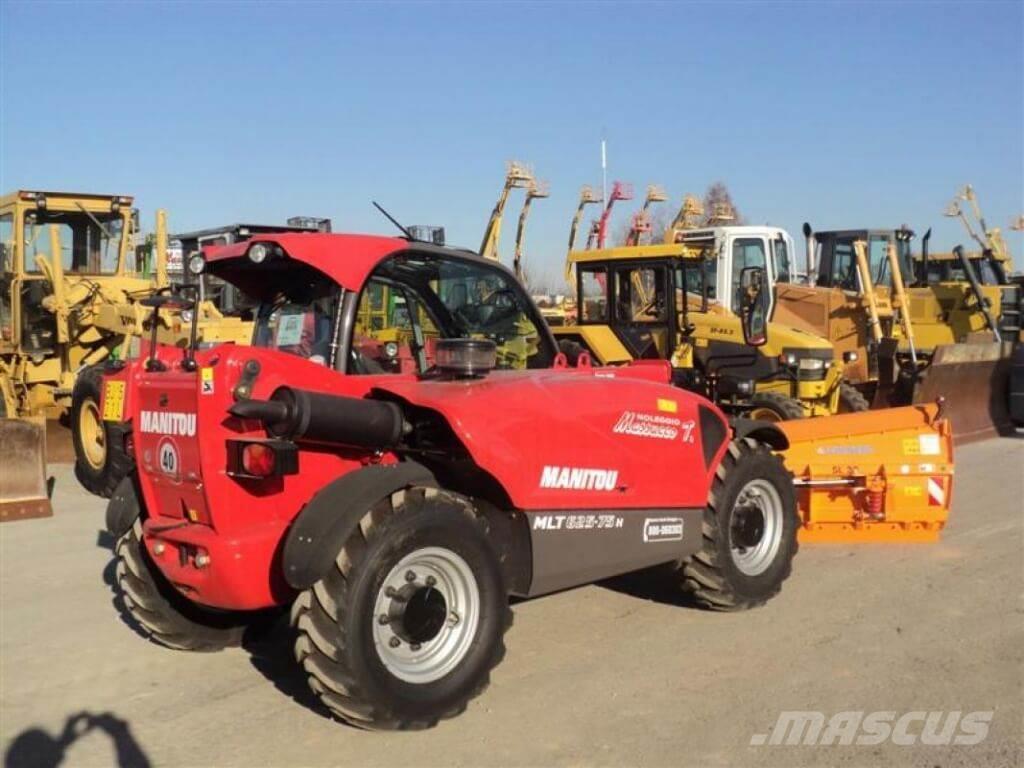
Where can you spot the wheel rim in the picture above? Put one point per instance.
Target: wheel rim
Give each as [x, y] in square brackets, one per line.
[755, 527]
[93, 436]
[765, 414]
[426, 614]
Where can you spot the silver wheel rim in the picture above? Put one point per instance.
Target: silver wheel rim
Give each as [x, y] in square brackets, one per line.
[407, 611]
[755, 527]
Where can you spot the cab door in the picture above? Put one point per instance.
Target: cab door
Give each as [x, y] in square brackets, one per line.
[8, 271]
[745, 251]
[641, 308]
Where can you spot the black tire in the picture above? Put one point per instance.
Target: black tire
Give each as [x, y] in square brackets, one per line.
[714, 574]
[164, 615]
[783, 408]
[851, 400]
[116, 464]
[335, 620]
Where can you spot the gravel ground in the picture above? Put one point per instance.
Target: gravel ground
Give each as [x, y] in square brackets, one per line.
[617, 674]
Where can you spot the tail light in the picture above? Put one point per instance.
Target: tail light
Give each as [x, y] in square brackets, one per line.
[262, 458]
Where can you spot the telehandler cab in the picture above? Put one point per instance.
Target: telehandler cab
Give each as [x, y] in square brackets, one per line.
[396, 509]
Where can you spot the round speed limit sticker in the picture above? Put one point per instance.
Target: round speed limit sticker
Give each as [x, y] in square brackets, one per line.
[167, 457]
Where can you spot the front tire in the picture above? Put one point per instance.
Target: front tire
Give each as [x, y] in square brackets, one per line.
[851, 400]
[101, 461]
[748, 532]
[406, 626]
[164, 615]
[771, 406]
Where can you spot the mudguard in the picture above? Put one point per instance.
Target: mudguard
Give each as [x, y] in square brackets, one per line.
[124, 508]
[762, 431]
[330, 517]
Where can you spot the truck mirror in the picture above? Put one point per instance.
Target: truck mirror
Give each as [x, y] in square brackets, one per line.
[754, 306]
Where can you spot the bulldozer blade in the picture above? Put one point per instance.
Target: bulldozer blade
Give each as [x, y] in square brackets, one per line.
[973, 379]
[23, 487]
[874, 476]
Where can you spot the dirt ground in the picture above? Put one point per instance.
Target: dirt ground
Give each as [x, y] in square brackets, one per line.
[617, 674]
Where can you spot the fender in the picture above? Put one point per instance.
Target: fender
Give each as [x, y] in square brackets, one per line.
[764, 431]
[330, 517]
[124, 507]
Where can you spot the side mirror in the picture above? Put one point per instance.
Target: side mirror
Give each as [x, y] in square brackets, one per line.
[753, 306]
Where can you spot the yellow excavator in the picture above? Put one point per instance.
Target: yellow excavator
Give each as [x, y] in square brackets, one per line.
[71, 298]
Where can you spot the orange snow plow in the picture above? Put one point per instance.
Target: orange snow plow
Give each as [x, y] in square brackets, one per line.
[877, 476]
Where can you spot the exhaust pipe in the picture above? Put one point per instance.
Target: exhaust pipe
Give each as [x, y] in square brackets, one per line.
[297, 414]
[922, 279]
[810, 246]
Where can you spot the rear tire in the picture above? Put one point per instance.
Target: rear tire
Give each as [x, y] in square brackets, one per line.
[851, 400]
[748, 531]
[771, 406]
[101, 461]
[164, 615]
[386, 651]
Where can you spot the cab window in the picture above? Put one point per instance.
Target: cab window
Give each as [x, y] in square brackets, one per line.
[299, 320]
[594, 295]
[640, 295]
[878, 260]
[746, 252]
[783, 273]
[89, 242]
[844, 265]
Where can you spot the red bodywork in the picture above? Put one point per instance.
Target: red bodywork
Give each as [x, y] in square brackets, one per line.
[523, 428]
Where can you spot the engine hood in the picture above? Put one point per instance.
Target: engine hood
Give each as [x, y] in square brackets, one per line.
[600, 438]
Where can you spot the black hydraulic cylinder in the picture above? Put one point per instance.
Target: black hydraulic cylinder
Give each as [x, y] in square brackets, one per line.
[303, 416]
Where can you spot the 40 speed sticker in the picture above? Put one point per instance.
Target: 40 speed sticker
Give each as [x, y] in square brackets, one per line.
[167, 458]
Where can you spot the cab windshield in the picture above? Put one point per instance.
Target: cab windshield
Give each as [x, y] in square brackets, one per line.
[412, 300]
[89, 241]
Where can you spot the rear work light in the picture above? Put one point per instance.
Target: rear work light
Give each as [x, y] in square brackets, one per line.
[262, 458]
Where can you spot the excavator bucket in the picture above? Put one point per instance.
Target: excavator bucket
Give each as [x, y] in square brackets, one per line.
[876, 476]
[973, 379]
[23, 488]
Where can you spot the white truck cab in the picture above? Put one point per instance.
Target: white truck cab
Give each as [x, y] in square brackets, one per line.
[736, 247]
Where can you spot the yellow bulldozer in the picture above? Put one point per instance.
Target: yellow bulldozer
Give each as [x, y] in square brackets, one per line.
[71, 299]
[911, 327]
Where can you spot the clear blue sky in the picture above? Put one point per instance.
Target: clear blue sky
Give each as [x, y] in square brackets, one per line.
[841, 113]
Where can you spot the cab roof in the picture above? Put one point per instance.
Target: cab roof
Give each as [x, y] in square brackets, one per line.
[348, 259]
[624, 252]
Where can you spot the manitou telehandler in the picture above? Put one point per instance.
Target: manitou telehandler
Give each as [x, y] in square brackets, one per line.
[396, 512]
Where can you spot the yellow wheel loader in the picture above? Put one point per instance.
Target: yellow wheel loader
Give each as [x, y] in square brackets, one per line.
[660, 302]
[70, 300]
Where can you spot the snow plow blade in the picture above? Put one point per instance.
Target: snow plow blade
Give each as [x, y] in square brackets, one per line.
[23, 488]
[973, 379]
[876, 476]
